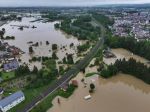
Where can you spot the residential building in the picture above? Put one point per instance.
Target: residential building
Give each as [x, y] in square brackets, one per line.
[11, 65]
[11, 101]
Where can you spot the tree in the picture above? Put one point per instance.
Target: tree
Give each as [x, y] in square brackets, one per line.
[92, 87]
[82, 70]
[84, 47]
[72, 44]
[54, 56]
[70, 59]
[29, 78]
[64, 60]
[22, 70]
[61, 70]
[31, 50]
[57, 25]
[3, 29]
[47, 42]
[96, 62]
[35, 70]
[0, 74]
[1, 34]
[54, 47]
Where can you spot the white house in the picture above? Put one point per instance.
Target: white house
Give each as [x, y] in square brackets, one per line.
[11, 101]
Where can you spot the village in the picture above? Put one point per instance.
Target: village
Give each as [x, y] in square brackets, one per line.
[49, 64]
[128, 23]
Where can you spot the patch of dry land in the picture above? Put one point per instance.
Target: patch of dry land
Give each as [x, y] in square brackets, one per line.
[121, 93]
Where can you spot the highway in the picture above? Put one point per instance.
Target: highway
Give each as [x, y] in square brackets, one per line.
[69, 74]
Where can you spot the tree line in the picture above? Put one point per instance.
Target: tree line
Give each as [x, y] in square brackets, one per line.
[141, 48]
[81, 27]
[131, 67]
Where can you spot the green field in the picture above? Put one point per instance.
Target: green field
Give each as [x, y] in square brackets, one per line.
[47, 102]
[30, 94]
[8, 75]
[90, 74]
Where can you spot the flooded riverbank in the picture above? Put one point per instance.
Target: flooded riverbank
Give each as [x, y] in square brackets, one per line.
[42, 33]
[121, 93]
[121, 53]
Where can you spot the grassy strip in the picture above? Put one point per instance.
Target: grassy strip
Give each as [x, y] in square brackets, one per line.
[30, 94]
[68, 93]
[47, 102]
[7, 75]
[90, 74]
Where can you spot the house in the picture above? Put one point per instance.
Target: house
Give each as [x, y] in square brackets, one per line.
[75, 83]
[10, 66]
[14, 50]
[2, 54]
[108, 54]
[11, 101]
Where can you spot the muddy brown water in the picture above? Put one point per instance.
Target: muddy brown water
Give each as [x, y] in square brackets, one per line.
[44, 32]
[121, 93]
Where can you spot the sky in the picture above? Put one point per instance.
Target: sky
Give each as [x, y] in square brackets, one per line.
[5, 3]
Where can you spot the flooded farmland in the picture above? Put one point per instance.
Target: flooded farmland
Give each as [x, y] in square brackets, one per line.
[121, 53]
[44, 32]
[121, 93]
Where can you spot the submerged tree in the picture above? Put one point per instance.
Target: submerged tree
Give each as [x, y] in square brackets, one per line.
[92, 87]
[31, 50]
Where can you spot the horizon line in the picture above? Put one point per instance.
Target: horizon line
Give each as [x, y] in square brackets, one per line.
[98, 5]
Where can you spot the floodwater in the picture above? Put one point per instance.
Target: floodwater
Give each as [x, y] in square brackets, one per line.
[121, 93]
[123, 53]
[44, 32]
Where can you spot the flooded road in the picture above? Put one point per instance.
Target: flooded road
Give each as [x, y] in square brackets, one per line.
[44, 32]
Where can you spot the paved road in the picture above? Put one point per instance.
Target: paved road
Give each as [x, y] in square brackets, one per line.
[69, 74]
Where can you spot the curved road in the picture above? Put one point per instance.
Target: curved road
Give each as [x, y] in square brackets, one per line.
[69, 74]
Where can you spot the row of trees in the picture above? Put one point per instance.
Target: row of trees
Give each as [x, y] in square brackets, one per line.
[45, 75]
[81, 28]
[130, 67]
[141, 48]
[84, 47]
[69, 59]
[104, 20]
[23, 70]
[55, 16]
